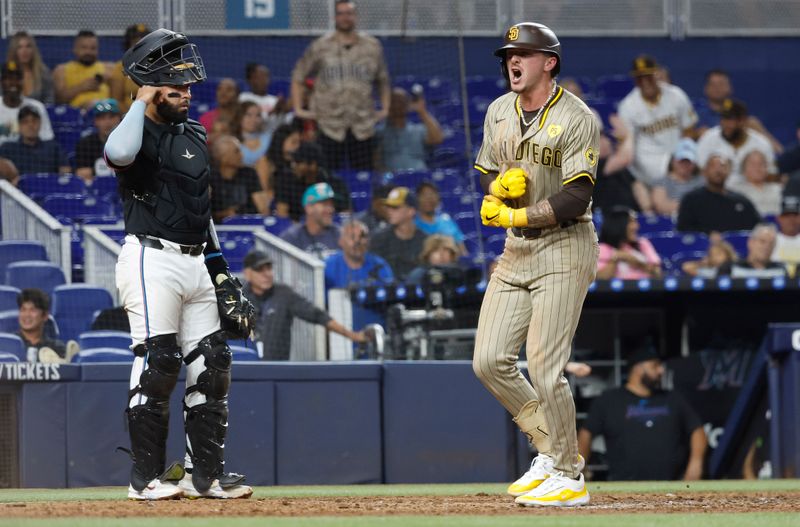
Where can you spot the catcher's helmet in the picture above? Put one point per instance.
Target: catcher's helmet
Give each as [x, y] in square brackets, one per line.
[532, 36]
[164, 58]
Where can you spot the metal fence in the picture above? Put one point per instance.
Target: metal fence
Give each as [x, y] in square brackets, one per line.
[674, 18]
[23, 219]
[304, 273]
[100, 254]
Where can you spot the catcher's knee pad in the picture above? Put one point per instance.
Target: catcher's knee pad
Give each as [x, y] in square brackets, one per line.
[163, 357]
[206, 427]
[215, 380]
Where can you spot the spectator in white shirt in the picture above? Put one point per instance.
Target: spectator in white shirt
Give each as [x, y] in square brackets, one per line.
[733, 138]
[766, 196]
[13, 100]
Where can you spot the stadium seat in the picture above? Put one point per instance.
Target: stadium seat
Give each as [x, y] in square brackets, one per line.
[244, 219]
[65, 114]
[76, 206]
[235, 246]
[103, 186]
[103, 355]
[9, 321]
[105, 339]
[37, 186]
[276, 225]
[10, 343]
[242, 354]
[668, 244]
[74, 306]
[8, 297]
[613, 87]
[30, 273]
[8, 357]
[738, 239]
[15, 251]
[655, 223]
[491, 87]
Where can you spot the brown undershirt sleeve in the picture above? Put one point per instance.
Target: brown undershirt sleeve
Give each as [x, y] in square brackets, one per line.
[573, 198]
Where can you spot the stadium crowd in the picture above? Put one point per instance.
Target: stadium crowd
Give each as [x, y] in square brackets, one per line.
[668, 164]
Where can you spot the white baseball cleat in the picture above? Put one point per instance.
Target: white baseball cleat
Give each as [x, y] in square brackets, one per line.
[156, 490]
[232, 491]
[541, 468]
[556, 491]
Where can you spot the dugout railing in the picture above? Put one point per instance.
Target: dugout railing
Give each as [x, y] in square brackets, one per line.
[23, 219]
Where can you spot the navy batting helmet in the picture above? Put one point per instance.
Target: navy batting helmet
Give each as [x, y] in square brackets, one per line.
[531, 36]
[164, 58]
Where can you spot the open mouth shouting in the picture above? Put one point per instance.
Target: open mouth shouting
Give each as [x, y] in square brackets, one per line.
[515, 75]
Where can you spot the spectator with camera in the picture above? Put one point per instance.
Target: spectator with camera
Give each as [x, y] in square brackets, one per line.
[83, 81]
[650, 434]
[403, 145]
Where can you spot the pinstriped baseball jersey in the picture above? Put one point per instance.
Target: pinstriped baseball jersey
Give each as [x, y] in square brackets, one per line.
[558, 148]
[657, 128]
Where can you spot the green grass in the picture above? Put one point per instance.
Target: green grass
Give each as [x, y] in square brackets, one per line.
[115, 493]
[611, 520]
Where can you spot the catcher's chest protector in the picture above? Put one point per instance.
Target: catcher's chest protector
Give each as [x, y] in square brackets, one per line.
[166, 190]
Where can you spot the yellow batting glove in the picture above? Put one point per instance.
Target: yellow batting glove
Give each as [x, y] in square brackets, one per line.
[495, 213]
[509, 185]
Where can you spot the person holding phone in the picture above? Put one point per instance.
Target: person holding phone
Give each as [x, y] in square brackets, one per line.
[404, 145]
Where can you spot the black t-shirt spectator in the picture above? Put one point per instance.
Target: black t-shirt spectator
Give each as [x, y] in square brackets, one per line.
[704, 211]
[613, 190]
[237, 192]
[401, 255]
[647, 438]
[289, 189]
[89, 154]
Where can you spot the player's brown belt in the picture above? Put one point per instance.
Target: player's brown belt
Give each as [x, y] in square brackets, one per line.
[153, 243]
[531, 234]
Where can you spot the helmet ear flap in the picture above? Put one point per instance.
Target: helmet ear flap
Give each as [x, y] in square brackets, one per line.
[504, 72]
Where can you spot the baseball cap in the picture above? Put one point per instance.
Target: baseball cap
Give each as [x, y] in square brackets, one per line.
[790, 204]
[316, 193]
[645, 351]
[105, 106]
[10, 69]
[400, 196]
[686, 149]
[643, 65]
[27, 111]
[733, 109]
[257, 260]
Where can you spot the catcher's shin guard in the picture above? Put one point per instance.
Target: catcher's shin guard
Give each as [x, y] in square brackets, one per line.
[207, 423]
[148, 422]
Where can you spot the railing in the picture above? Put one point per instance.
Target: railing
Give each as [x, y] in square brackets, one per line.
[304, 273]
[100, 259]
[23, 219]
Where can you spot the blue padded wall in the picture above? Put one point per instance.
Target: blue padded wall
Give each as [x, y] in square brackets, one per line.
[441, 425]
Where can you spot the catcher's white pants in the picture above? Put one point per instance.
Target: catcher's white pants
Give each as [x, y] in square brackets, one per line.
[165, 291]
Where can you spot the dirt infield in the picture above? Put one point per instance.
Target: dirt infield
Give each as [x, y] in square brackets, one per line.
[473, 504]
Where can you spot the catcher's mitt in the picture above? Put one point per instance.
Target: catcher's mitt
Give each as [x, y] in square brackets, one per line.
[236, 314]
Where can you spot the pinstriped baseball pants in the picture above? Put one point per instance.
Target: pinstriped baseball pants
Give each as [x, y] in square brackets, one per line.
[535, 296]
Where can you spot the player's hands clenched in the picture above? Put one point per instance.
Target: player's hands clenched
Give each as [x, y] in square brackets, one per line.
[495, 213]
[510, 184]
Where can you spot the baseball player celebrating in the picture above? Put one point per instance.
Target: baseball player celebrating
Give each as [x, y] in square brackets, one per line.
[537, 162]
[164, 275]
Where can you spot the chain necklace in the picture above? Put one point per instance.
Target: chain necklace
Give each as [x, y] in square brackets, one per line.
[539, 113]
